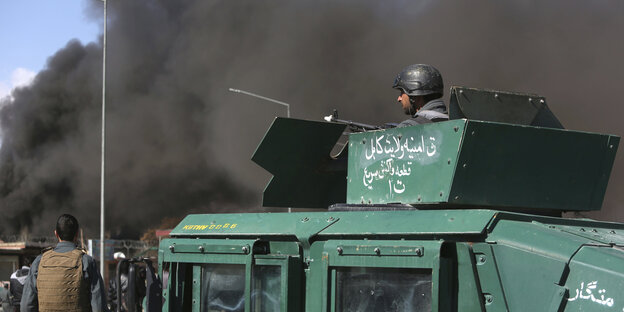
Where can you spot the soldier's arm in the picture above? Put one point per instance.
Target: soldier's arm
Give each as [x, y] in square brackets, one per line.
[29, 300]
[96, 285]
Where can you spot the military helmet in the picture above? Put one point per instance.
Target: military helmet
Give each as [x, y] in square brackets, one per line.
[419, 79]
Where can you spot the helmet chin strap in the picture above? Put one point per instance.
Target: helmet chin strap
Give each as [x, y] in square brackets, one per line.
[412, 109]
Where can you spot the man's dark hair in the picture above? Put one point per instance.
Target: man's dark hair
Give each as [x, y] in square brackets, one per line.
[66, 227]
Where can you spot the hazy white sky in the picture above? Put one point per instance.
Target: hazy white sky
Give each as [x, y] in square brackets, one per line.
[33, 30]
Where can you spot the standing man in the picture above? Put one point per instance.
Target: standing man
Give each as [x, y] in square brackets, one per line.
[64, 278]
[421, 89]
[4, 298]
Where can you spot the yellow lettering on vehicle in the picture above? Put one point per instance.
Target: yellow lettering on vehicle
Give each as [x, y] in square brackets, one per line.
[202, 227]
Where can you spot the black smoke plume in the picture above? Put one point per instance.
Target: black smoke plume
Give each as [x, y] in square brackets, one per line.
[179, 142]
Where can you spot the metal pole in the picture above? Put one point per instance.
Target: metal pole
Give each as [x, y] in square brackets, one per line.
[102, 260]
[264, 98]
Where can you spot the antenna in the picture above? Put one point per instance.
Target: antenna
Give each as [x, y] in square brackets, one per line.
[264, 98]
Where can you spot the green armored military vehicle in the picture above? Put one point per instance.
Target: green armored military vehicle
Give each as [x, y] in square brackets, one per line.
[462, 215]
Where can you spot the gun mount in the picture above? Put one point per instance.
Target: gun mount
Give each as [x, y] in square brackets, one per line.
[356, 126]
[530, 165]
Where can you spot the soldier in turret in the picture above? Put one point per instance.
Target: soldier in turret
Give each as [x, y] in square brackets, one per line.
[64, 278]
[421, 90]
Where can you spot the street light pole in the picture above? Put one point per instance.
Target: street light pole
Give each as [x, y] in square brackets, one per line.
[102, 260]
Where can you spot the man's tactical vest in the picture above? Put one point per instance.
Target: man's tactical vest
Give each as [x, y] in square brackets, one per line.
[60, 282]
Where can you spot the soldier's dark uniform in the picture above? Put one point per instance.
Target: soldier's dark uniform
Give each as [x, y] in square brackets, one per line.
[422, 80]
[5, 298]
[433, 111]
[18, 279]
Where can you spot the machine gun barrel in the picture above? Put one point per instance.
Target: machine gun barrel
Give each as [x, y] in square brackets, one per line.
[352, 123]
[354, 126]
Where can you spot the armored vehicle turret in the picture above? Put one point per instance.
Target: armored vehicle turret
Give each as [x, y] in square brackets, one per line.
[461, 215]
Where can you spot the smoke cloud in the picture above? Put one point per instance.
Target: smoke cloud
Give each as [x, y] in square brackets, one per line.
[179, 142]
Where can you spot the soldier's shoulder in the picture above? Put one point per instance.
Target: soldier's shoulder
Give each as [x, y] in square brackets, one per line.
[44, 250]
[86, 257]
[35, 262]
[418, 120]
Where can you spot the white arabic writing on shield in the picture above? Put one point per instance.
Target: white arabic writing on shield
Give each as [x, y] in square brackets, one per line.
[390, 148]
[585, 292]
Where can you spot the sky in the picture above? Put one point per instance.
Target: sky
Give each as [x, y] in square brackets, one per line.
[33, 30]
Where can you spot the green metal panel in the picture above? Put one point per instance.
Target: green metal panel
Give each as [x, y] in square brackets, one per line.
[489, 278]
[222, 248]
[596, 280]
[219, 251]
[284, 248]
[252, 224]
[316, 296]
[297, 153]
[534, 255]
[501, 106]
[468, 290]
[392, 254]
[553, 237]
[521, 279]
[248, 268]
[420, 222]
[308, 226]
[197, 281]
[518, 166]
[403, 165]
[374, 250]
[304, 225]
[613, 235]
[478, 163]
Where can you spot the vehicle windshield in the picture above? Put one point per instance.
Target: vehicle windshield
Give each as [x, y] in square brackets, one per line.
[383, 290]
[223, 288]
